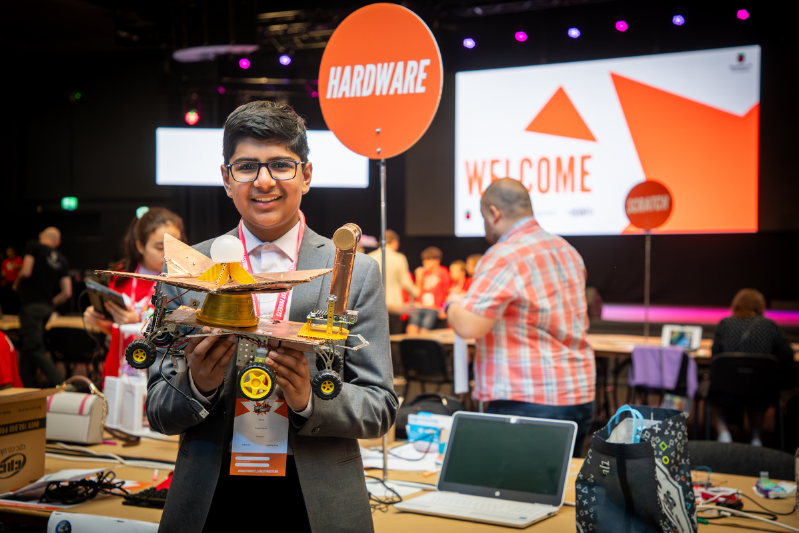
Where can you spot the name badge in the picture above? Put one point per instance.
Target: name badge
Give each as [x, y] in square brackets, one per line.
[260, 438]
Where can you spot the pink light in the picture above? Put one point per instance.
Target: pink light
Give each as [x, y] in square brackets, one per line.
[521, 36]
[314, 94]
[244, 63]
[621, 25]
[192, 117]
[660, 314]
[743, 14]
[221, 90]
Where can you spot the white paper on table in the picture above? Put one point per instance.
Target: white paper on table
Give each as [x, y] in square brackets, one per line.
[378, 489]
[405, 458]
[73, 474]
[460, 364]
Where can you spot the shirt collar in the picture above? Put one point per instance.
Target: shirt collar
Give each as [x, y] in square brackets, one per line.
[287, 243]
[526, 224]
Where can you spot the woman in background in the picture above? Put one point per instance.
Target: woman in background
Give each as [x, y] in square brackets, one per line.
[144, 254]
[748, 331]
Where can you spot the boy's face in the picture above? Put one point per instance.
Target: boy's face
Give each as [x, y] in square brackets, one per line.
[268, 207]
[456, 272]
[431, 263]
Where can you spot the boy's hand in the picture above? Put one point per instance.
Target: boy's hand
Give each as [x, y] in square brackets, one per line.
[208, 357]
[293, 376]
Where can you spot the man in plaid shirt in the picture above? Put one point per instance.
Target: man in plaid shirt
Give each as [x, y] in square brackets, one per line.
[527, 309]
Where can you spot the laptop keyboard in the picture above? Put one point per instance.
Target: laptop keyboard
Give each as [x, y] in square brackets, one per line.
[483, 504]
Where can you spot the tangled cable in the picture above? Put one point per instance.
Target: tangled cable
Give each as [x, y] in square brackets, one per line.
[72, 492]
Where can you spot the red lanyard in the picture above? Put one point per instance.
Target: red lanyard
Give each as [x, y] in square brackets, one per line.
[283, 297]
[134, 293]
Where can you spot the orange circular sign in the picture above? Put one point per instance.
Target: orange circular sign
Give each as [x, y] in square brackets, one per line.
[648, 205]
[380, 80]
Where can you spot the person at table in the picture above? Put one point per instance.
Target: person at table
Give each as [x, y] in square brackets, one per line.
[432, 282]
[459, 280]
[144, 253]
[526, 307]
[266, 172]
[43, 269]
[398, 279]
[747, 331]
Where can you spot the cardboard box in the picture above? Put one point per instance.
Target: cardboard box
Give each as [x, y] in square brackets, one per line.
[23, 419]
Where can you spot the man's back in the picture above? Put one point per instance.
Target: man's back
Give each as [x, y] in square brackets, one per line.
[533, 284]
[49, 266]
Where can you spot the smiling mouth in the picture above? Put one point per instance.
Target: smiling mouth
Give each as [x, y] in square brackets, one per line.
[265, 201]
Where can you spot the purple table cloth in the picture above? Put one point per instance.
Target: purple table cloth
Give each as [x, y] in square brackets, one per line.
[659, 368]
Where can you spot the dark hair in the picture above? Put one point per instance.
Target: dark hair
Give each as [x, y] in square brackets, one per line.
[431, 252]
[140, 229]
[265, 121]
[748, 302]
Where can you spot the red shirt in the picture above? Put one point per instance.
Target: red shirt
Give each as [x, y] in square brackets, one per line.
[533, 284]
[140, 291]
[10, 269]
[435, 287]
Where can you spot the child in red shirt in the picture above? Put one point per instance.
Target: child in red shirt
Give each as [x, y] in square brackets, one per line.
[433, 282]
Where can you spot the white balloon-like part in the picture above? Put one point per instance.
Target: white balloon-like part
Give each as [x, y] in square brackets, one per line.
[227, 249]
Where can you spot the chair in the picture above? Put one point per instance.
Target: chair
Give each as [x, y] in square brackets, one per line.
[751, 379]
[424, 361]
[73, 346]
[658, 369]
[741, 459]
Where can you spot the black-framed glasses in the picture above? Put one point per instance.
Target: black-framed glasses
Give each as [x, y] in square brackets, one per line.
[279, 170]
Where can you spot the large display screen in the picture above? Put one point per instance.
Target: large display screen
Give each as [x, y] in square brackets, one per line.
[193, 156]
[580, 135]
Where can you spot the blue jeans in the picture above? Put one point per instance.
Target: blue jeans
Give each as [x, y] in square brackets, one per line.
[580, 414]
[424, 318]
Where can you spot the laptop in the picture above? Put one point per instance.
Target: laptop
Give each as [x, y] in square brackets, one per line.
[502, 470]
[685, 337]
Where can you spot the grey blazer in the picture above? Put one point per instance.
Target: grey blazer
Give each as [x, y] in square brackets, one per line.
[325, 448]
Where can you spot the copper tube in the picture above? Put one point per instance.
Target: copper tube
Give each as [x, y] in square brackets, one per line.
[346, 241]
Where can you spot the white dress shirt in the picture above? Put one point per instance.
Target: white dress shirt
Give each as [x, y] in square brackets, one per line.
[275, 256]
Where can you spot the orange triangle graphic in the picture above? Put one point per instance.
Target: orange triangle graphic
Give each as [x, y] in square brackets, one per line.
[559, 117]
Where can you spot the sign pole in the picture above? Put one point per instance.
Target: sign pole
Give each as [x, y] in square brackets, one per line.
[647, 278]
[382, 166]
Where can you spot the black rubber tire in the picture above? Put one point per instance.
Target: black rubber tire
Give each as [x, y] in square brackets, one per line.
[326, 385]
[338, 363]
[269, 372]
[140, 354]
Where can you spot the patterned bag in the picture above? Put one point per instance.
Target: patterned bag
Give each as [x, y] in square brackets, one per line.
[637, 475]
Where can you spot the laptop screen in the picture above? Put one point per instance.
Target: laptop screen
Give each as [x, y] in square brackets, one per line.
[515, 458]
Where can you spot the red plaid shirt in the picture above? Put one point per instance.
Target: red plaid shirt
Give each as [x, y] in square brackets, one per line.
[533, 284]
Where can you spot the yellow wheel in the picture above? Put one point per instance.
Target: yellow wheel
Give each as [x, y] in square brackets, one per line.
[140, 354]
[256, 381]
[326, 384]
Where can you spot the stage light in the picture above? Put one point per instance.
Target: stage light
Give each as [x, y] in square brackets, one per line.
[192, 117]
[621, 25]
[284, 60]
[77, 96]
[314, 94]
[244, 63]
[221, 90]
[469, 43]
[678, 20]
[574, 33]
[743, 14]
[521, 36]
